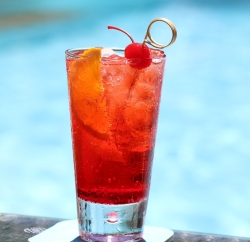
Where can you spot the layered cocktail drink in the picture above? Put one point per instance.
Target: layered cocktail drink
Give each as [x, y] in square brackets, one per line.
[114, 104]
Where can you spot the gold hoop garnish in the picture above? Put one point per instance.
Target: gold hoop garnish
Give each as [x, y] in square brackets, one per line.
[152, 42]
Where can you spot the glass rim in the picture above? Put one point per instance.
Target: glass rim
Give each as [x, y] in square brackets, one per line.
[72, 52]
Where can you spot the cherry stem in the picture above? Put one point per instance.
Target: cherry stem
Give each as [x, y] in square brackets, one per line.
[113, 27]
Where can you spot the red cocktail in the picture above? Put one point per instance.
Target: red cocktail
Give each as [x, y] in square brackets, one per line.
[114, 105]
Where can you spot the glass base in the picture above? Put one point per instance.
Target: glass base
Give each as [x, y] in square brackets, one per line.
[111, 223]
[112, 238]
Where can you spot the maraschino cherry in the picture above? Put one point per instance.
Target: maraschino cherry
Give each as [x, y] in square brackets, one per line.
[137, 53]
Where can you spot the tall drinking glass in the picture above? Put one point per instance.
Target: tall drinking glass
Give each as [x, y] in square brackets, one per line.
[114, 111]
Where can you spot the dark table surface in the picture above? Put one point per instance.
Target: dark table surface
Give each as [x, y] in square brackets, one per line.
[20, 228]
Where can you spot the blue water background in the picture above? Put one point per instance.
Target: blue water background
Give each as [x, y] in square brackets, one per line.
[200, 178]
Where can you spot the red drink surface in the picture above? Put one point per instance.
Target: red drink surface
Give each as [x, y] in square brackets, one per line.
[113, 155]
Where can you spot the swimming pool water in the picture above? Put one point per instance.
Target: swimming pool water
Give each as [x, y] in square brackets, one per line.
[200, 177]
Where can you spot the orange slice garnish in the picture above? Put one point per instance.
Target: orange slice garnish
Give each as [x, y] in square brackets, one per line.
[87, 92]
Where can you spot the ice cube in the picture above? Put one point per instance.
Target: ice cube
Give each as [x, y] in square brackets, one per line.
[106, 52]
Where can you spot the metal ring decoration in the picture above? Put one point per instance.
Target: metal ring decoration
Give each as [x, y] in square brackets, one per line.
[152, 42]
